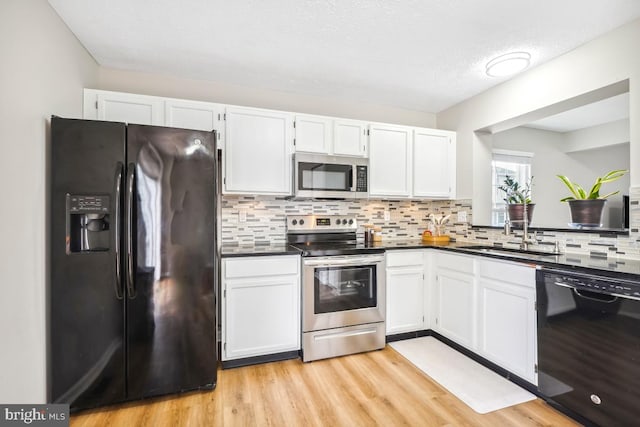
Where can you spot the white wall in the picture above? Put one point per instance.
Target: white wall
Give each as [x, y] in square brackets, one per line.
[162, 85]
[612, 133]
[602, 62]
[551, 159]
[43, 71]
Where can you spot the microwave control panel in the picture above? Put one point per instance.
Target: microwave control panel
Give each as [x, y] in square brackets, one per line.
[361, 179]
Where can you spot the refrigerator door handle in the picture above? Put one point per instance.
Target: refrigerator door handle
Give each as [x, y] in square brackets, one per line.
[116, 230]
[131, 291]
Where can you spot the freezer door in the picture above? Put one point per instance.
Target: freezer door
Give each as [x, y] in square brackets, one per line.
[86, 310]
[170, 251]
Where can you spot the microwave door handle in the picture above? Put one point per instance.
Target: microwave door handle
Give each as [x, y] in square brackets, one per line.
[354, 170]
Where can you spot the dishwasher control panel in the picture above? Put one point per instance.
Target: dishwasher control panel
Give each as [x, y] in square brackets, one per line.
[602, 284]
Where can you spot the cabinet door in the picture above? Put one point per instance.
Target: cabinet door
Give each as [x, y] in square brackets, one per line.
[205, 116]
[507, 317]
[434, 164]
[313, 134]
[262, 316]
[258, 151]
[350, 138]
[405, 311]
[123, 107]
[455, 306]
[389, 161]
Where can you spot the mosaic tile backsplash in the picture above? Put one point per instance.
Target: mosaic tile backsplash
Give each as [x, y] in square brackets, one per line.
[264, 223]
[266, 217]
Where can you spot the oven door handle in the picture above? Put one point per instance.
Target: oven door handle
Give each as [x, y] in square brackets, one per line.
[329, 262]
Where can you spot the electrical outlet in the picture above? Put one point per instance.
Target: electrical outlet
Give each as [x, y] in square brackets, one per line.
[462, 216]
[387, 215]
[242, 215]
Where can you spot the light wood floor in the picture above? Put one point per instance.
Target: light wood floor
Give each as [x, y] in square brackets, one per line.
[376, 388]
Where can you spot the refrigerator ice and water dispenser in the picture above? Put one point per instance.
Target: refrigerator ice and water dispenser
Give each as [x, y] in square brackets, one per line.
[87, 223]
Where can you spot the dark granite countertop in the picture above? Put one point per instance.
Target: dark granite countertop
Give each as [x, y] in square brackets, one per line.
[618, 267]
[612, 266]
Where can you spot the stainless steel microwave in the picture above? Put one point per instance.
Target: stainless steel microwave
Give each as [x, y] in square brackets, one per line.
[319, 176]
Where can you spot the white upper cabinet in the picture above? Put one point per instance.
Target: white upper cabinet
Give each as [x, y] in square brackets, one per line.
[389, 161]
[197, 115]
[258, 149]
[314, 134]
[329, 135]
[434, 163]
[350, 137]
[123, 107]
[405, 162]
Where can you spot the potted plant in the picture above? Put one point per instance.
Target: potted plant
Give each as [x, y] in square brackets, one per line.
[516, 196]
[586, 208]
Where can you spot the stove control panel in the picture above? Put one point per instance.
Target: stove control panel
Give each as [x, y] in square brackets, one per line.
[321, 223]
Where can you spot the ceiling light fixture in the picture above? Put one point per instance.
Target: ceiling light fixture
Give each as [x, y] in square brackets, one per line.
[507, 64]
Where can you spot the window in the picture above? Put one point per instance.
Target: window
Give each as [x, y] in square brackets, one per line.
[516, 164]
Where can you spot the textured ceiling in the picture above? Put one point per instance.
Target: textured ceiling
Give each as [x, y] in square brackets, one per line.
[423, 55]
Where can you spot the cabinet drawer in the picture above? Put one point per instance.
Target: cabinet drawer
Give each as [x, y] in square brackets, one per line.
[503, 271]
[461, 263]
[405, 258]
[261, 266]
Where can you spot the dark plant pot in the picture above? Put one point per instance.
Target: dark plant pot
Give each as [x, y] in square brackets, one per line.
[586, 213]
[516, 214]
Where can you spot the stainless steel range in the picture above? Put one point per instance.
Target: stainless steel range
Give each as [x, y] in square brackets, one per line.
[343, 287]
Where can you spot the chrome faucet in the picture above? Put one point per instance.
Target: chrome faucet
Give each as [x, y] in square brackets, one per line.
[526, 239]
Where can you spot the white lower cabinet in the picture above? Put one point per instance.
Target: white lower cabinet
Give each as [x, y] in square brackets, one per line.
[260, 306]
[405, 291]
[507, 316]
[455, 298]
[488, 307]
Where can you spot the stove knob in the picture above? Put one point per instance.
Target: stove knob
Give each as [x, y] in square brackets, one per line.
[294, 222]
[350, 222]
[302, 222]
[344, 222]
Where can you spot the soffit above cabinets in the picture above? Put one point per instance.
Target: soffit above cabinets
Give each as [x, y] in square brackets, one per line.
[597, 113]
[423, 55]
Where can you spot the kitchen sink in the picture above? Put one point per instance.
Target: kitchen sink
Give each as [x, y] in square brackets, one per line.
[508, 251]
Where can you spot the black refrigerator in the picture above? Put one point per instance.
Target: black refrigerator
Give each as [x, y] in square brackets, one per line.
[132, 310]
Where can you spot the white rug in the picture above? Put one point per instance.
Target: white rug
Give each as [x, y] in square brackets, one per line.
[480, 388]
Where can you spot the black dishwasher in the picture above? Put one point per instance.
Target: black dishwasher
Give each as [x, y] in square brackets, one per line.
[589, 345]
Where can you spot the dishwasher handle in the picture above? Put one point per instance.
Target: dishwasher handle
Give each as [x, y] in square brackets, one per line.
[577, 291]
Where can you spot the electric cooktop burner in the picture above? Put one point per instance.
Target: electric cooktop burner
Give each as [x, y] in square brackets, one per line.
[326, 235]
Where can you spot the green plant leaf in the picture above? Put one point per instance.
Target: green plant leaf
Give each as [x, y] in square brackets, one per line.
[610, 194]
[594, 193]
[613, 175]
[569, 185]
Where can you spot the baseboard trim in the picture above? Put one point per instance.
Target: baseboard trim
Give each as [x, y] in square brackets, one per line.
[236, 363]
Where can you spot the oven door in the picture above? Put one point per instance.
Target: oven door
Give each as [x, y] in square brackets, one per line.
[340, 291]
